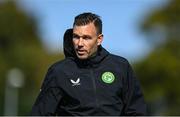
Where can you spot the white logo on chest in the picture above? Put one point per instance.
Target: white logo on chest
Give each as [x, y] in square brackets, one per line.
[77, 82]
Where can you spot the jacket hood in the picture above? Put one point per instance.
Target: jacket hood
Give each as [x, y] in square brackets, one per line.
[67, 43]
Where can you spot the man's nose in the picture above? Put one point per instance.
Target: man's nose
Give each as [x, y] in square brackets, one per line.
[80, 42]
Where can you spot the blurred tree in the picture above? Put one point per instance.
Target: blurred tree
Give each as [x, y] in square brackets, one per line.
[20, 47]
[159, 71]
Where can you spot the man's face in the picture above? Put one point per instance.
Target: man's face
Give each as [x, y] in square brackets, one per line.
[86, 40]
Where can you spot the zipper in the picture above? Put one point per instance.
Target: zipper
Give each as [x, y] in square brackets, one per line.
[94, 87]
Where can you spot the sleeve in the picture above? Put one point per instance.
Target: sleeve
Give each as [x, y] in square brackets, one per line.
[49, 96]
[133, 97]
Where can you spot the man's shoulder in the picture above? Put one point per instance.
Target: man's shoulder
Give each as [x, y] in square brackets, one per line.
[61, 63]
[117, 58]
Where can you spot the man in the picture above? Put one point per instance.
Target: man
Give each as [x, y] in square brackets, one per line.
[89, 81]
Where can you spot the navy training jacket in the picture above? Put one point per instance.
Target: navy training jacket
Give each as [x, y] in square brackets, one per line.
[102, 85]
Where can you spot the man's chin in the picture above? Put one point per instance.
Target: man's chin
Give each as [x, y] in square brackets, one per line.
[82, 57]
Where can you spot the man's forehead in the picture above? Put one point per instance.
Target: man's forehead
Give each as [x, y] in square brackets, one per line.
[85, 29]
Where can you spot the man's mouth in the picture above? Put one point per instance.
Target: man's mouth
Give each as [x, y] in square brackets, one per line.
[80, 52]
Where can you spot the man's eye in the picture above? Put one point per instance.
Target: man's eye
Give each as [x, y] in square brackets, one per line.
[86, 37]
[75, 37]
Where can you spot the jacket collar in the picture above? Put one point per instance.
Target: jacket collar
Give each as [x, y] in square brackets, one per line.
[93, 61]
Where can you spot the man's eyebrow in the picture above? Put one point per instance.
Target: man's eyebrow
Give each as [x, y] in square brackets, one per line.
[86, 36]
[74, 34]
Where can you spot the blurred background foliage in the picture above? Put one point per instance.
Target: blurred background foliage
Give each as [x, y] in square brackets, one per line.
[21, 47]
[159, 72]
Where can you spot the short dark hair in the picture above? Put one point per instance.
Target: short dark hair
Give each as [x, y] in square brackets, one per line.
[86, 18]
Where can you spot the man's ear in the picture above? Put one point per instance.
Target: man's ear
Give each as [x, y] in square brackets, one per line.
[100, 39]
